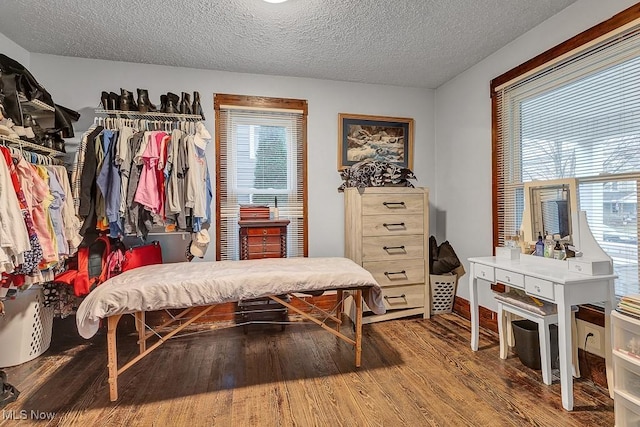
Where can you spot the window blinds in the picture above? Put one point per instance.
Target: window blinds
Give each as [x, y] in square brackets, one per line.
[578, 118]
[261, 158]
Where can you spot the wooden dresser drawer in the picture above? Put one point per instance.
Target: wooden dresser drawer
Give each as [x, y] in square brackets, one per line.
[510, 278]
[402, 272]
[484, 272]
[392, 225]
[409, 296]
[262, 231]
[394, 204]
[384, 248]
[539, 287]
[264, 244]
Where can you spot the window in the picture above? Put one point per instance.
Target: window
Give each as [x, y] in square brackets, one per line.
[574, 112]
[260, 158]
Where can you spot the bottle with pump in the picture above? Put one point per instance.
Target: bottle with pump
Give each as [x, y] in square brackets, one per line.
[539, 245]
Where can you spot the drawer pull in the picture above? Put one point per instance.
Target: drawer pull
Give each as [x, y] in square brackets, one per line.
[390, 248]
[393, 205]
[537, 288]
[508, 278]
[483, 273]
[393, 224]
[579, 268]
[264, 231]
[389, 273]
[388, 297]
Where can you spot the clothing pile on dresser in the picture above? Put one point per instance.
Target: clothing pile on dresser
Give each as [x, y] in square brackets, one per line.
[127, 181]
[375, 173]
[38, 227]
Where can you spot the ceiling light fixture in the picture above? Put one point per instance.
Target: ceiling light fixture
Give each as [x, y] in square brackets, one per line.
[275, 1]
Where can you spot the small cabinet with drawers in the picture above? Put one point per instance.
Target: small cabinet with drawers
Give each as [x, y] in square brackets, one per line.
[263, 238]
[387, 232]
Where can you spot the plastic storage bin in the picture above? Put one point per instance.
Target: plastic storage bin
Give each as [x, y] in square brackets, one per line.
[25, 330]
[528, 343]
[443, 292]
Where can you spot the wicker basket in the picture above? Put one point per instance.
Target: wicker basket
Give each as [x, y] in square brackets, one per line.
[443, 292]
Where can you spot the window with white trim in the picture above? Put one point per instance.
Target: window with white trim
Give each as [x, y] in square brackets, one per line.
[260, 160]
[577, 116]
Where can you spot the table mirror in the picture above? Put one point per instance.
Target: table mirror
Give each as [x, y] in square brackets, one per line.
[548, 209]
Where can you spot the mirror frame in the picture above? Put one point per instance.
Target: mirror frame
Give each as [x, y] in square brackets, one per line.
[527, 220]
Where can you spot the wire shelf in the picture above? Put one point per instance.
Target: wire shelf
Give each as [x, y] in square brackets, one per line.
[150, 115]
[34, 104]
[30, 146]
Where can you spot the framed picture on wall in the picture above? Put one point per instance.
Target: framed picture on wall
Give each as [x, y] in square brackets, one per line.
[388, 139]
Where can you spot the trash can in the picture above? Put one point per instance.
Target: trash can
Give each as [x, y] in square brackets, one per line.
[528, 343]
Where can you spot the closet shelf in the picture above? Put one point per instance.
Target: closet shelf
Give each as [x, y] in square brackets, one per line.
[30, 146]
[150, 115]
[33, 105]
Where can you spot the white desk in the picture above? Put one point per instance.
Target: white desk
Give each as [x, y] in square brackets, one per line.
[549, 280]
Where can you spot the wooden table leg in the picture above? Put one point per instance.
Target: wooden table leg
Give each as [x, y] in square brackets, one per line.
[112, 325]
[140, 327]
[358, 345]
[339, 307]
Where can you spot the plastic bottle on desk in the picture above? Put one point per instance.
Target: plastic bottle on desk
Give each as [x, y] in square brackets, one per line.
[548, 246]
[539, 246]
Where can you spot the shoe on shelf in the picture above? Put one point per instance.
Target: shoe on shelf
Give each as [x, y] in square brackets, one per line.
[126, 101]
[104, 99]
[163, 103]
[196, 108]
[114, 101]
[144, 104]
[173, 104]
[185, 103]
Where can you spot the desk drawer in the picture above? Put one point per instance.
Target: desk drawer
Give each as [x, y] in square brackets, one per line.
[510, 278]
[400, 297]
[484, 272]
[383, 248]
[401, 272]
[539, 287]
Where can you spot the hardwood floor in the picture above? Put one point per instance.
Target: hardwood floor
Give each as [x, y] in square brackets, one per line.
[414, 373]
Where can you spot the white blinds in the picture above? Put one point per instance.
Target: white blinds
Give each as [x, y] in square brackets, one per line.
[578, 118]
[261, 158]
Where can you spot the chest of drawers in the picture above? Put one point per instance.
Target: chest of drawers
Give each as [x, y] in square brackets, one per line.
[263, 238]
[387, 232]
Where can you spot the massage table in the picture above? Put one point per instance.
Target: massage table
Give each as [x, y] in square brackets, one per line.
[205, 284]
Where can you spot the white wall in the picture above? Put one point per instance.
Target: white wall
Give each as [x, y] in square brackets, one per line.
[463, 133]
[14, 51]
[77, 84]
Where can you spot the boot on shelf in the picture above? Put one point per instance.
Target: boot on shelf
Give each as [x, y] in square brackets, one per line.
[104, 99]
[163, 103]
[185, 103]
[196, 108]
[144, 104]
[173, 104]
[126, 101]
[114, 101]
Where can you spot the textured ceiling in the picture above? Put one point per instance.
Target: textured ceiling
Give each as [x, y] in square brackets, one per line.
[421, 43]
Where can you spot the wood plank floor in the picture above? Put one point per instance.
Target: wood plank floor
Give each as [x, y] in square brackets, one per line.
[414, 373]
